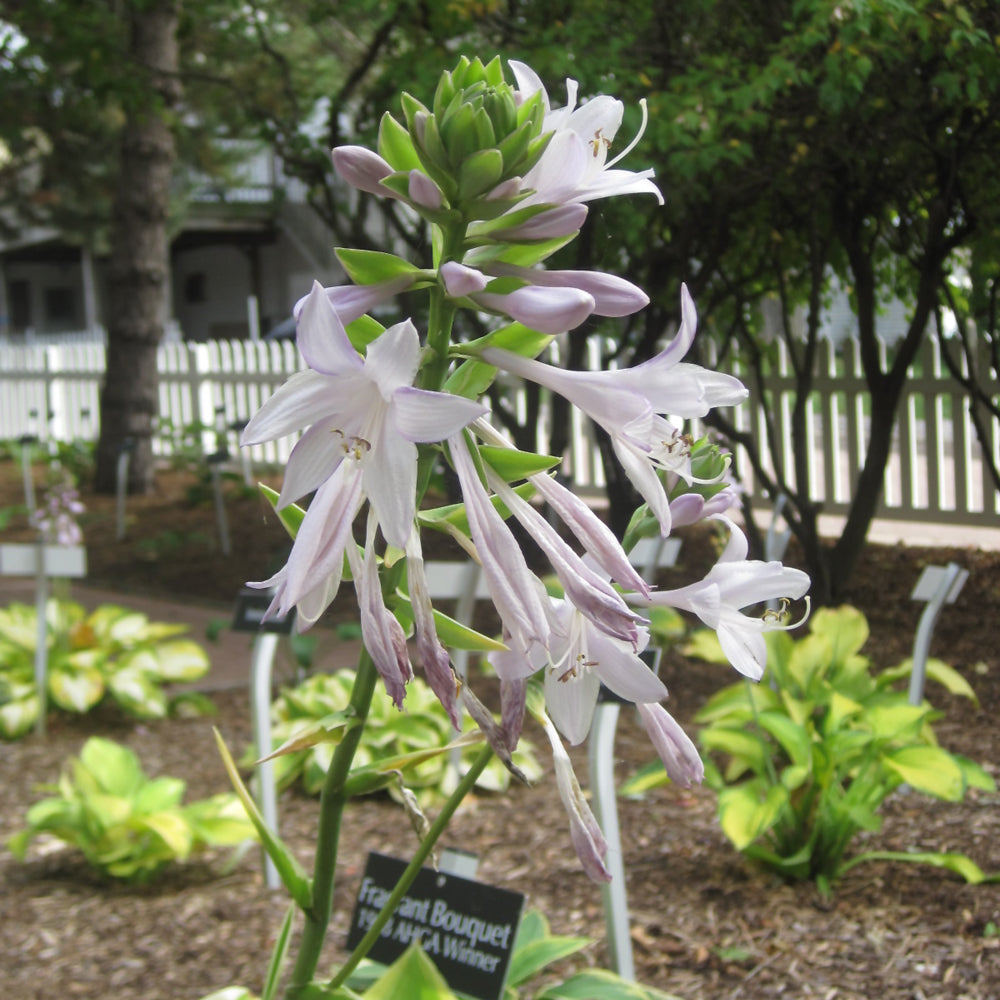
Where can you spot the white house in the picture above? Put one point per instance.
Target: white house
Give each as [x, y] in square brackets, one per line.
[245, 253]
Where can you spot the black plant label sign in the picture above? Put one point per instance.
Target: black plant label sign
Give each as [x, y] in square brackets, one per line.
[465, 927]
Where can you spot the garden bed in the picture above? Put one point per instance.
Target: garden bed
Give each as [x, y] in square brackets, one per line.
[705, 923]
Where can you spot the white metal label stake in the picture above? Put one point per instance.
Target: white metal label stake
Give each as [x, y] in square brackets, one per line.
[42, 561]
[938, 585]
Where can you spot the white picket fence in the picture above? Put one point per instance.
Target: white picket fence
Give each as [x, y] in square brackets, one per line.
[936, 473]
[205, 390]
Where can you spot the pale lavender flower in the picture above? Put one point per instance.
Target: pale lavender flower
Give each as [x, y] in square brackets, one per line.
[363, 169]
[56, 520]
[311, 577]
[431, 654]
[613, 296]
[517, 593]
[585, 832]
[574, 166]
[351, 301]
[590, 531]
[628, 404]
[679, 755]
[550, 224]
[550, 310]
[365, 418]
[735, 582]
[586, 589]
[382, 634]
[690, 508]
[581, 658]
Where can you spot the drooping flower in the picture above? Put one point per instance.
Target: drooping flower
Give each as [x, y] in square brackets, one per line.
[364, 419]
[680, 757]
[585, 832]
[630, 404]
[588, 591]
[733, 583]
[431, 654]
[597, 539]
[581, 657]
[575, 165]
[382, 634]
[517, 593]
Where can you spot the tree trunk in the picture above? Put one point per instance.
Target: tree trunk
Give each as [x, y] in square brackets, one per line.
[139, 268]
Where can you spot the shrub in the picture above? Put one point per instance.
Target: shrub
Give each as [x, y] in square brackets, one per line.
[127, 825]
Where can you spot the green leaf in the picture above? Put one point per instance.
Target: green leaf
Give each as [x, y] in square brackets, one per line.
[138, 693]
[291, 517]
[930, 770]
[116, 768]
[747, 749]
[362, 331]
[704, 645]
[600, 983]
[279, 955]
[535, 948]
[744, 816]
[76, 689]
[329, 729]
[794, 739]
[19, 717]
[414, 976]
[515, 337]
[974, 776]
[960, 864]
[648, 777]
[894, 721]
[371, 267]
[479, 172]
[289, 870]
[935, 670]
[181, 660]
[173, 830]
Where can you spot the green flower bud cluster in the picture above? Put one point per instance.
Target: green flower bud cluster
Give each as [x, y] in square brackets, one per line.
[472, 141]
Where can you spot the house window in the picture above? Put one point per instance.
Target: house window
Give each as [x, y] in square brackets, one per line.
[20, 305]
[60, 306]
[194, 288]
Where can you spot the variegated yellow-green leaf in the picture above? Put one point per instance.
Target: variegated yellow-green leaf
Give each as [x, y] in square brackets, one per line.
[745, 816]
[930, 770]
[76, 690]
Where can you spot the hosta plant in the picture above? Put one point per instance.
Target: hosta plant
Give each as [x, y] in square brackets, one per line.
[311, 713]
[127, 825]
[536, 948]
[112, 652]
[803, 761]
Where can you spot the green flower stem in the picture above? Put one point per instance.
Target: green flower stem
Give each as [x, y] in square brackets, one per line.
[331, 809]
[406, 879]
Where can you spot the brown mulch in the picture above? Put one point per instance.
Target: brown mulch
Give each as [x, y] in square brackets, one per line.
[706, 925]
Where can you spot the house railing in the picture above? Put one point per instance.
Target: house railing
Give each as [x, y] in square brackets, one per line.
[936, 471]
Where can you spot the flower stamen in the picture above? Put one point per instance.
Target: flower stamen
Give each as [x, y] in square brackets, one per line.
[628, 149]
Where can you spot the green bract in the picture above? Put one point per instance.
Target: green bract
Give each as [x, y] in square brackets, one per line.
[803, 761]
[311, 718]
[474, 137]
[112, 652]
[127, 825]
